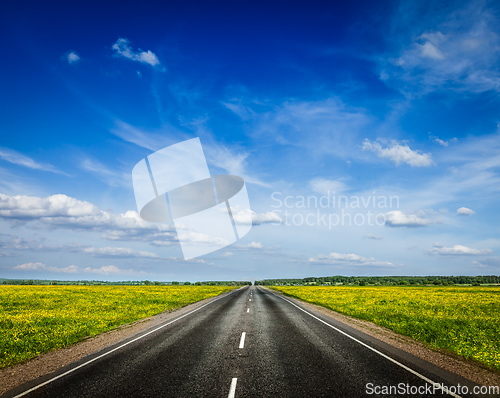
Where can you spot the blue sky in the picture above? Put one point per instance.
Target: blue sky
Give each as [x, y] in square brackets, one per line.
[372, 99]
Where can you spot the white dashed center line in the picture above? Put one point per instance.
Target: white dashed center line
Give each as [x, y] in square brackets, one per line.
[232, 390]
[242, 340]
[248, 310]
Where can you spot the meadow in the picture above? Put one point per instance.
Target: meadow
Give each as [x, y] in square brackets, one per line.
[38, 319]
[463, 320]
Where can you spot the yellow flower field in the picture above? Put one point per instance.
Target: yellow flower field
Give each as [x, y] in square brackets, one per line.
[38, 319]
[464, 320]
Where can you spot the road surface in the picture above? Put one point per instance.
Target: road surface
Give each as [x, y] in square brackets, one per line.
[251, 342]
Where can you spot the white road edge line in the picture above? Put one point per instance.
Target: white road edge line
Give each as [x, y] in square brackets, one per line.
[232, 389]
[248, 310]
[113, 350]
[373, 349]
[242, 340]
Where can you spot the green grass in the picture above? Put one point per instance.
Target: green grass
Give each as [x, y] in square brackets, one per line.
[38, 319]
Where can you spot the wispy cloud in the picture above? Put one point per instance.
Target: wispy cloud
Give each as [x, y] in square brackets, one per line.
[118, 252]
[399, 154]
[233, 160]
[458, 51]
[442, 142]
[324, 127]
[372, 236]
[122, 48]
[457, 250]
[324, 186]
[492, 262]
[112, 177]
[73, 269]
[15, 157]
[345, 259]
[149, 139]
[72, 57]
[252, 245]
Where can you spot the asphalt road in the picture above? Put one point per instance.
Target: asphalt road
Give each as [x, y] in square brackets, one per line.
[248, 343]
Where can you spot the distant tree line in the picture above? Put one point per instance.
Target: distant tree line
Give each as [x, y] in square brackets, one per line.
[384, 280]
[122, 283]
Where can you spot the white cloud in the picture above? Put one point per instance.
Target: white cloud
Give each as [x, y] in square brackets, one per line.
[252, 245]
[227, 254]
[199, 238]
[32, 207]
[428, 50]
[72, 57]
[122, 47]
[444, 143]
[241, 217]
[397, 218]
[111, 270]
[61, 211]
[349, 260]
[73, 269]
[372, 236]
[117, 252]
[464, 211]
[323, 186]
[16, 243]
[237, 107]
[15, 157]
[263, 218]
[457, 250]
[399, 154]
